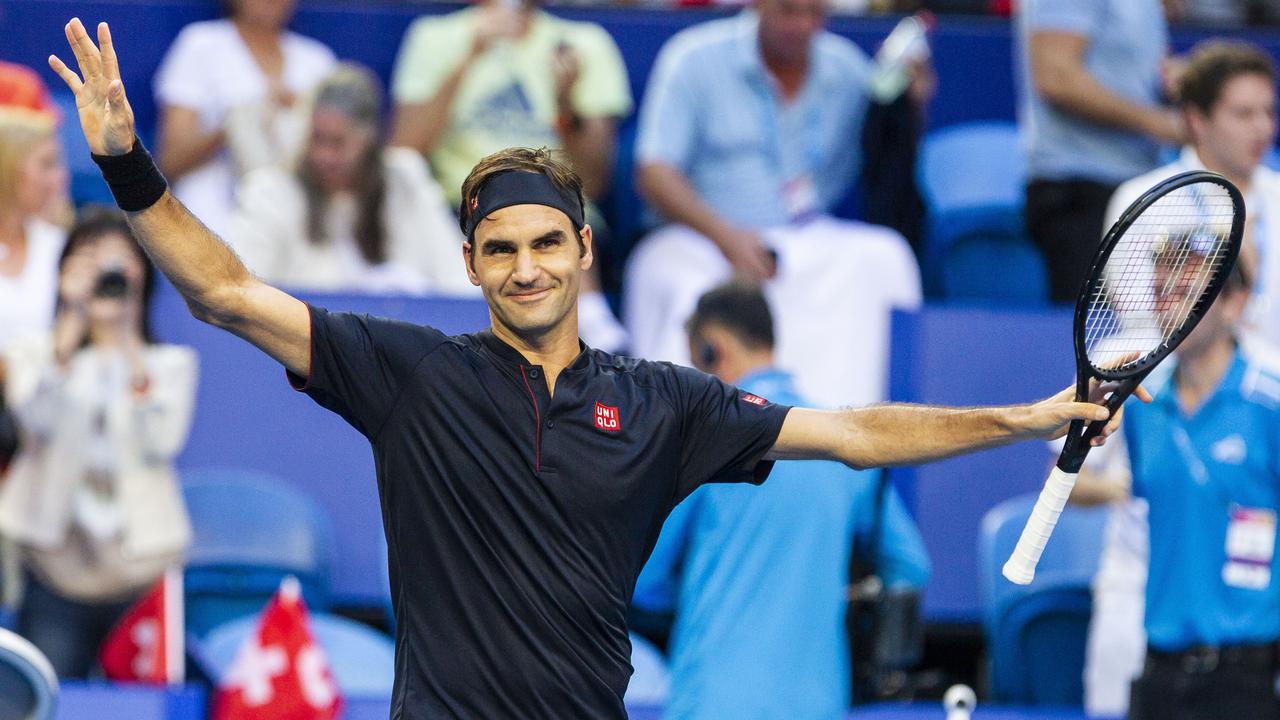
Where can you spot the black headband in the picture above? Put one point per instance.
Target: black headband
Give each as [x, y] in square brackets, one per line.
[521, 187]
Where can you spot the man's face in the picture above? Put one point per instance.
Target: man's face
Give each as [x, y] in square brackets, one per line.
[787, 26]
[1240, 127]
[528, 261]
[1178, 284]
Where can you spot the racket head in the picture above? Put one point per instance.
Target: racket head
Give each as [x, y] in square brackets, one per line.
[1156, 273]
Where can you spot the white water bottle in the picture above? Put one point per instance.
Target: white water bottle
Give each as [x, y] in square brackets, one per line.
[891, 67]
[959, 702]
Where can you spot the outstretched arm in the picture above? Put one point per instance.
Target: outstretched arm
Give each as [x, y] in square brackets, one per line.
[216, 285]
[890, 435]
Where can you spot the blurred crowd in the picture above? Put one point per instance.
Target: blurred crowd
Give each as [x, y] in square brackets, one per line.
[289, 154]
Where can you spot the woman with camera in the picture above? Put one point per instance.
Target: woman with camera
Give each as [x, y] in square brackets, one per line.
[92, 498]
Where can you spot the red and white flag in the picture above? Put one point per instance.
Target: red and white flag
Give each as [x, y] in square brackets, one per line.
[146, 645]
[279, 673]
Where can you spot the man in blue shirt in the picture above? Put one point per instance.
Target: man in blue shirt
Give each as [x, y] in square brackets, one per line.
[1090, 76]
[748, 139]
[759, 577]
[1205, 455]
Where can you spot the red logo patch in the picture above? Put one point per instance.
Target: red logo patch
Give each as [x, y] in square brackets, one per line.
[607, 418]
[754, 399]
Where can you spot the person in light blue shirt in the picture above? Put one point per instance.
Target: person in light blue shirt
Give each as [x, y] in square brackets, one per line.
[1090, 73]
[758, 575]
[1205, 455]
[749, 135]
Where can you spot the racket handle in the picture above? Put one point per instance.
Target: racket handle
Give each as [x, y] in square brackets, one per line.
[1021, 567]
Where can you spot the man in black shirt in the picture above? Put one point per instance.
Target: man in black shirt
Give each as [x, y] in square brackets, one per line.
[523, 477]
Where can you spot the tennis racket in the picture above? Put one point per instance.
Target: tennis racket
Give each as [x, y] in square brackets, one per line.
[1156, 273]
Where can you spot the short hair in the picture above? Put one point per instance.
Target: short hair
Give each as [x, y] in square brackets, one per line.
[542, 160]
[739, 307]
[1213, 64]
[20, 130]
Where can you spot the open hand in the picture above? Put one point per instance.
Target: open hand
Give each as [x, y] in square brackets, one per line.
[105, 115]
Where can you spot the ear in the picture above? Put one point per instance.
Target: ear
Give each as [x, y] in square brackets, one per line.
[586, 258]
[469, 260]
[1196, 122]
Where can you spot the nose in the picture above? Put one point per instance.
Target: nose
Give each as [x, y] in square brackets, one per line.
[527, 269]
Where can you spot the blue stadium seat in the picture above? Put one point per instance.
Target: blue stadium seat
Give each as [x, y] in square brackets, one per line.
[362, 659]
[996, 268]
[1036, 633]
[28, 685]
[251, 530]
[971, 177]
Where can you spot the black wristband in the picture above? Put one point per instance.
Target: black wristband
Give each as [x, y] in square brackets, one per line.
[134, 179]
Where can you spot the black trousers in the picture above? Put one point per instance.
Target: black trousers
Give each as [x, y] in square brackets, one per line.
[1233, 684]
[1065, 220]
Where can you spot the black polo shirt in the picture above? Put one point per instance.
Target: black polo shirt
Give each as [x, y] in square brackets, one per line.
[517, 522]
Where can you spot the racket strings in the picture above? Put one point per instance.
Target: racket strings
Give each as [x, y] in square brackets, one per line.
[1157, 274]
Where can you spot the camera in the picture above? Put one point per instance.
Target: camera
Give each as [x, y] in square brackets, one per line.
[112, 283]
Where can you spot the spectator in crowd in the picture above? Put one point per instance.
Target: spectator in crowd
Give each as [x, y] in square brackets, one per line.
[1203, 456]
[33, 179]
[748, 137]
[21, 87]
[1091, 80]
[92, 498]
[502, 74]
[1223, 13]
[1227, 92]
[1229, 101]
[760, 575]
[216, 126]
[355, 214]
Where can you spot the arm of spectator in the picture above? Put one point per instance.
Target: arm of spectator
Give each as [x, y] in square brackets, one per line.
[668, 190]
[901, 560]
[162, 409]
[182, 143]
[899, 434]
[213, 281]
[590, 143]
[1059, 75]
[419, 122]
[33, 388]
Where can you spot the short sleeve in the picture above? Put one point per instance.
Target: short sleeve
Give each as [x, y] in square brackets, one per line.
[359, 364]
[602, 89]
[181, 79]
[726, 432]
[1083, 17]
[426, 56]
[668, 120]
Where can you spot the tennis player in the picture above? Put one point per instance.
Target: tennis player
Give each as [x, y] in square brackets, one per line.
[523, 477]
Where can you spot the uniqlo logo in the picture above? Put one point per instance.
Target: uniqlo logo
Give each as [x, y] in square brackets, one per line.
[754, 399]
[607, 418]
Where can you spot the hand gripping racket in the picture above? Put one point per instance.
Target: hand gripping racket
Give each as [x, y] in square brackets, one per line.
[1156, 273]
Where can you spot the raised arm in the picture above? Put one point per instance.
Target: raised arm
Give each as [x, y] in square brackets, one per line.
[895, 434]
[216, 285]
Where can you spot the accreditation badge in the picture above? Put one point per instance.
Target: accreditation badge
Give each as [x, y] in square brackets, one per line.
[1251, 544]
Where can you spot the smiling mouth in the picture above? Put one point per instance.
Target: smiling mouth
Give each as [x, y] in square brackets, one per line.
[530, 296]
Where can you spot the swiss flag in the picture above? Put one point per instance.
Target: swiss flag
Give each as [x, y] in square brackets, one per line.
[280, 673]
[146, 644]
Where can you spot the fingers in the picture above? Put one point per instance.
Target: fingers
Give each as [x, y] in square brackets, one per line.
[86, 54]
[1141, 393]
[67, 74]
[110, 64]
[1088, 411]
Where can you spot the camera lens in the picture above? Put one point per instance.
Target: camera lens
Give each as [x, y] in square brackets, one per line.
[112, 283]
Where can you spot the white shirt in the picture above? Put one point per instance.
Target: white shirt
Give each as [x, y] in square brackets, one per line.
[209, 69]
[423, 242]
[27, 300]
[1262, 208]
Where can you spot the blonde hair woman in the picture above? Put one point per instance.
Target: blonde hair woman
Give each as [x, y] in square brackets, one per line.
[33, 187]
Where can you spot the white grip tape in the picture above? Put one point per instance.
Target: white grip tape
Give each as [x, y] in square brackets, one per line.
[1021, 567]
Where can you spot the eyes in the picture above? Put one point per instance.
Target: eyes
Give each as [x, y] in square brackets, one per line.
[503, 247]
